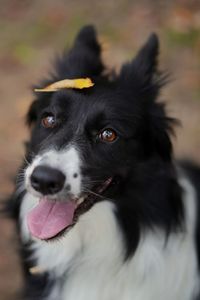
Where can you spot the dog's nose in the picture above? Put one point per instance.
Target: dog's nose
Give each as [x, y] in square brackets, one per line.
[47, 180]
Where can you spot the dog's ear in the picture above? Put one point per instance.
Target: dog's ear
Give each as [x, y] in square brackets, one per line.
[142, 81]
[141, 70]
[84, 59]
[146, 59]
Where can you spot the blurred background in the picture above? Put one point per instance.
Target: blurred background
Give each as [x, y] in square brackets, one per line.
[32, 32]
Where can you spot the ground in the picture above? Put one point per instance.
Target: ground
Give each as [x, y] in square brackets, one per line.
[32, 32]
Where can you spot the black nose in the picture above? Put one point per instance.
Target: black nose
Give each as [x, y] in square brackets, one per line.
[47, 180]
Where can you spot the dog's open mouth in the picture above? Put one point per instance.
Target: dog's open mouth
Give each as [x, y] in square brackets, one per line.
[51, 218]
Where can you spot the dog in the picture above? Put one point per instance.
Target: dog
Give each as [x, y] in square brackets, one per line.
[103, 210]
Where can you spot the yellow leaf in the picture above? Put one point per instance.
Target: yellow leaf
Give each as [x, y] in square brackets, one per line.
[79, 83]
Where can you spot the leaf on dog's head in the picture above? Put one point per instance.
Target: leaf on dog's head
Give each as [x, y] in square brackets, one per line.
[79, 83]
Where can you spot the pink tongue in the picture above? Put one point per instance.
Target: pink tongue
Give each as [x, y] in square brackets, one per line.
[49, 218]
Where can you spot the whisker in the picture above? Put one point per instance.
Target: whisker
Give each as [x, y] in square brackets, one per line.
[96, 181]
[25, 159]
[93, 193]
[96, 194]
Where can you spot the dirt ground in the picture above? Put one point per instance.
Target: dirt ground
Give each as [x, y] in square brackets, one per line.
[31, 32]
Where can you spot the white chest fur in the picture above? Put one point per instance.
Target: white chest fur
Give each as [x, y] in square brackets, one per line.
[92, 255]
[155, 272]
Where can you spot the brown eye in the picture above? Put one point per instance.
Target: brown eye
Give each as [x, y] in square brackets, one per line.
[108, 135]
[49, 122]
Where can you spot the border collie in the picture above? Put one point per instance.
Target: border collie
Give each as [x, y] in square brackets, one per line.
[103, 211]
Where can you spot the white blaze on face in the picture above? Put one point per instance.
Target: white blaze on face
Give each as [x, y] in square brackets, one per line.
[67, 161]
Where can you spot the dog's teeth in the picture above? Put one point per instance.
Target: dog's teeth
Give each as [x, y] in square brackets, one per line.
[36, 270]
[80, 200]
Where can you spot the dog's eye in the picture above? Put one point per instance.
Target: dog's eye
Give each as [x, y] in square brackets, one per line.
[108, 135]
[49, 121]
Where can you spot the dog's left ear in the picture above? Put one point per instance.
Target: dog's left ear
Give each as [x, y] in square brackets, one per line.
[84, 58]
[143, 67]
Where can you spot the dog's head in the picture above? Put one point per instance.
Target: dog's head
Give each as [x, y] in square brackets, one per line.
[89, 145]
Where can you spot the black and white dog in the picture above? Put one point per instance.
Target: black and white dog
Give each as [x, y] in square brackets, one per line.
[103, 211]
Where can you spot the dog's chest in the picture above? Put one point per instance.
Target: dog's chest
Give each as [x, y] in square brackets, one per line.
[151, 274]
